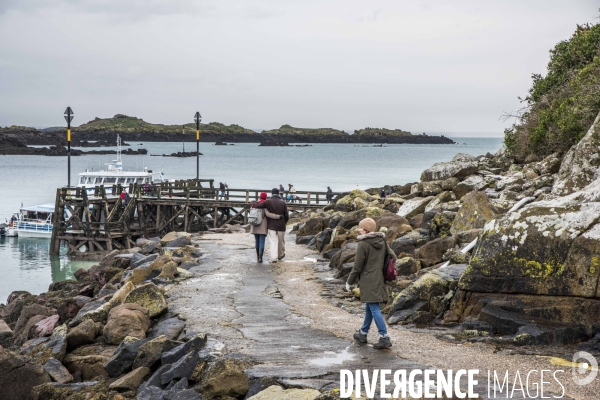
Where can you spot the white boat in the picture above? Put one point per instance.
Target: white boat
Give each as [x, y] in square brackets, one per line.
[35, 221]
[114, 175]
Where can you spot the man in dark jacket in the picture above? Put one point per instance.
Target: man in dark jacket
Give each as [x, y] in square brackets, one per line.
[368, 270]
[276, 227]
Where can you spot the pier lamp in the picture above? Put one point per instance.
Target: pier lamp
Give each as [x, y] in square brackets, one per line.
[69, 117]
[197, 118]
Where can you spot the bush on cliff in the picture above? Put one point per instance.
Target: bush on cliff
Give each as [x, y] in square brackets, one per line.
[562, 105]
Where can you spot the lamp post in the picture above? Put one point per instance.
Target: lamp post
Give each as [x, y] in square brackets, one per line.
[69, 117]
[197, 118]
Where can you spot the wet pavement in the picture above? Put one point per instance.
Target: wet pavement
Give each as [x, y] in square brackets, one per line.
[237, 302]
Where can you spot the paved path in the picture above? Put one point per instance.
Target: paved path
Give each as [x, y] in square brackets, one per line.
[275, 315]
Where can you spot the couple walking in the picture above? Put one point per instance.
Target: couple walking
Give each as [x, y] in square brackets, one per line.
[274, 221]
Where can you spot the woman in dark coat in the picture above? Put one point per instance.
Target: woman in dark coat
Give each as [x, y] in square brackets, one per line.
[368, 270]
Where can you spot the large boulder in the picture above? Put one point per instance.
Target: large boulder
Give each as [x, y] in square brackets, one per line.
[409, 242]
[461, 166]
[57, 371]
[580, 165]
[391, 221]
[323, 239]
[144, 271]
[14, 305]
[226, 377]
[355, 200]
[98, 310]
[31, 311]
[124, 356]
[170, 327]
[432, 252]
[83, 333]
[313, 225]
[531, 319]
[352, 219]
[345, 255]
[414, 206]
[126, 320]
[45, 348]
[548, 247]
[6, 334]
[406, 266]
[475, 212]
[196, 343]
[169, 237]
[18, 376]
[427, 296]
[149, 296]
[473, 182]
[151, 351]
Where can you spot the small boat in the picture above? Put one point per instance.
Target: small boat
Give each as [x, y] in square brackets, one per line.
[114, 175]
[34, 221]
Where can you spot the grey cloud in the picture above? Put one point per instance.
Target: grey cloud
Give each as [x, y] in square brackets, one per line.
[420, 66]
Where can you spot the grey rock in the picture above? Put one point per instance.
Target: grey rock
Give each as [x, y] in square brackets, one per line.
[183, 368]
[193, 345]
[124, 356]
[139, 259]
[171, 328]
[57, 371]
[180, 242]
[304, 239]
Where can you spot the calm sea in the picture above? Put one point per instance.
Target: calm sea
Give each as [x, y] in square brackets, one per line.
[31, 180]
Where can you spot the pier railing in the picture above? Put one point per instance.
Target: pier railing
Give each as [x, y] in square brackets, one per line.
[97, 218]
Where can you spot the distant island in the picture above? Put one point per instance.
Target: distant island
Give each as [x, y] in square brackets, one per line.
[103, 131]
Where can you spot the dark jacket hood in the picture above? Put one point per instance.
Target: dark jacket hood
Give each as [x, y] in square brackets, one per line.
[375, 239]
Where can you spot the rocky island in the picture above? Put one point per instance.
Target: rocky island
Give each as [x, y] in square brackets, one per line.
[15, 139]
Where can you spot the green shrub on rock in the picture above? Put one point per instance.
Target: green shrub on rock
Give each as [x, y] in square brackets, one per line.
[562, 105]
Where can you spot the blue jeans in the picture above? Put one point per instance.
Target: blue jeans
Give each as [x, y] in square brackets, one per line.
[373, 312]
[260, 241]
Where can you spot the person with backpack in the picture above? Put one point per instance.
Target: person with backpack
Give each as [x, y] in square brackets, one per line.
[257, 218]
[276, 227]
[369, 269]
[382, 194]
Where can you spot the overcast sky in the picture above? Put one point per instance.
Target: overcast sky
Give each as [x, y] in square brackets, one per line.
[433, 66]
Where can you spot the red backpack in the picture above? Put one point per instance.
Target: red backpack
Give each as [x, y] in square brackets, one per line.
[389, 268]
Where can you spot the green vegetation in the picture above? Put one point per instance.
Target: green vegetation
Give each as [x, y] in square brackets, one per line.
[562, 105]
[290, 130]
[381, 132]
[124, 123]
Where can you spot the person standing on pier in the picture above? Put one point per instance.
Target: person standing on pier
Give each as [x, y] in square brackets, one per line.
[260, 231]
[281, 191]
[370, 258]
[276, 227]
[329, 194]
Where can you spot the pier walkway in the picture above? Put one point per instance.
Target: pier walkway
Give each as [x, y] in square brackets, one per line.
[98, 221]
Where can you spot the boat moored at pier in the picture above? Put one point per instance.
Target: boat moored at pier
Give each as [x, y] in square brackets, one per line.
[34, 221]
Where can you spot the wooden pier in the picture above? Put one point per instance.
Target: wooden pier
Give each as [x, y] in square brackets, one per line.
[100, 222]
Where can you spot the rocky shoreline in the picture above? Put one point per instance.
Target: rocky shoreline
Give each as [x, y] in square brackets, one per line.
[507, 252]
[110, 334]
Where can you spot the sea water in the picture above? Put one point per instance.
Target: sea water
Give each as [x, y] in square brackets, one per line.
[29, 180]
